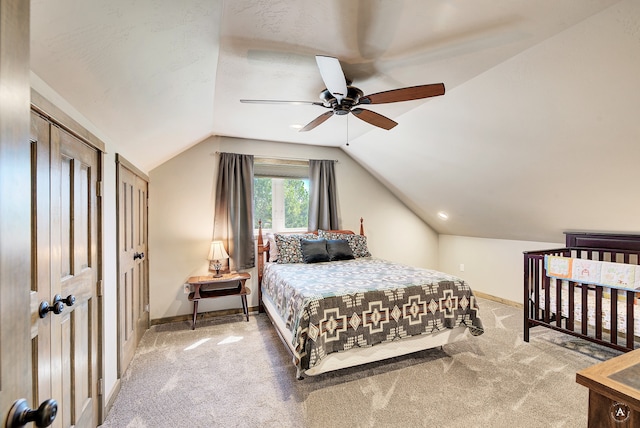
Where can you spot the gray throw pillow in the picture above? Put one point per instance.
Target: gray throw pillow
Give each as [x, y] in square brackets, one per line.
[339, 249]
[314, 250]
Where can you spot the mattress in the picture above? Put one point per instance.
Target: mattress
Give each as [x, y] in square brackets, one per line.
[591, 306]
[337, 306]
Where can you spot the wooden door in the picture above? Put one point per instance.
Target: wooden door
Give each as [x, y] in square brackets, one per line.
[133, 283]
[74, 265]
[41, 249]
[15, 205]
[65, 229]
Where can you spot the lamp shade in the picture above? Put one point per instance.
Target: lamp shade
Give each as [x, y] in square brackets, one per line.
[217, 252]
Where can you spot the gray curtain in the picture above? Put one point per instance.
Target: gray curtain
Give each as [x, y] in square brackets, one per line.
[323, 209]
[233, 223]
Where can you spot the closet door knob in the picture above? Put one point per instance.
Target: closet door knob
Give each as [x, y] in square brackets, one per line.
[20, 414]
[69, 300]
[56, 307]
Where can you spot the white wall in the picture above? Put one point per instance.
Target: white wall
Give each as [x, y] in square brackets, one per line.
[502, 152]
[491, 266]
[181, 207]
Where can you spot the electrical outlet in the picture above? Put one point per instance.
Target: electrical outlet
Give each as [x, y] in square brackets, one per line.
[187, 288]
[461, 267]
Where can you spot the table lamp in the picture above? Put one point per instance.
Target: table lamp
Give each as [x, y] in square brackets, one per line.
[216, 255]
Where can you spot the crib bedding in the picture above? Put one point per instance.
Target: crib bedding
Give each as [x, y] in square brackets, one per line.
[336, 306]
[591, 307]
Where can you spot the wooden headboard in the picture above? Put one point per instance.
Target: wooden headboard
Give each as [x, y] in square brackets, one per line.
[263, 255]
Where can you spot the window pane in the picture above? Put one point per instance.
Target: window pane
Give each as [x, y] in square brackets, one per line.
[296, 203]
[262, 202]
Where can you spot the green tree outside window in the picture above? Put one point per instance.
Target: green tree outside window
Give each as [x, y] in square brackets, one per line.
[296, 203]
[262, 202]
[292, 202]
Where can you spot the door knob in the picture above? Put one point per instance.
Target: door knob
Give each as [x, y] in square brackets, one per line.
[137, 256]
[56, 307]
[20, 414]
[69, 300]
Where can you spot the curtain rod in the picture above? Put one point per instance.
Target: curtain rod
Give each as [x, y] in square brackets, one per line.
[283, 158]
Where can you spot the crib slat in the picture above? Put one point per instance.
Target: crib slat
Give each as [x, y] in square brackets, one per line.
[598, 312]
[613, 316]
[527, 297]
[536, 288]
[630, 332]
[585, 306]
[572, 307]
[547, 297]
[559, 303]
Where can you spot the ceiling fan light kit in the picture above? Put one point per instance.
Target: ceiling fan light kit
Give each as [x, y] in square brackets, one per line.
[342, 98]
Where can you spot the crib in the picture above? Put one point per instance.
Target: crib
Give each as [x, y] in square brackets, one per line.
[606, 315]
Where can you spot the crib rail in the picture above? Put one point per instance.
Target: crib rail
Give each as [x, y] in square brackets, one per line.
[538, 300]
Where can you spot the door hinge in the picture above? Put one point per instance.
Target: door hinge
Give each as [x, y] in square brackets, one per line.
[101, 386]
[99, 189]
[100, 288]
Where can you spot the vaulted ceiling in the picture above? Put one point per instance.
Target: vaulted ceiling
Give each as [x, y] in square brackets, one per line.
[537, 132]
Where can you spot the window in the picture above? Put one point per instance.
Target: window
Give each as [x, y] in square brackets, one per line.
[281, 196]
[281, 203]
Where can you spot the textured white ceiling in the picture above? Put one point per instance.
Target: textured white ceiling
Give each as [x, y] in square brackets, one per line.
[527, 84]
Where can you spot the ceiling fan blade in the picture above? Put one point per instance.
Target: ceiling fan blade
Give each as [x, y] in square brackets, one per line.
[404, 94]
[313, 103]
[332, 76]
[317, 121]
[374, 118]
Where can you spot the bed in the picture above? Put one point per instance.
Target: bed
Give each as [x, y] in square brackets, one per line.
[566, 289]
[348, 311]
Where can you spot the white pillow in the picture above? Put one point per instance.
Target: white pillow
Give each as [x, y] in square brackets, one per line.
[273, 248]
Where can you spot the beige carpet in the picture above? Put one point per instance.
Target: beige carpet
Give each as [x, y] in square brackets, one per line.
[233, 373]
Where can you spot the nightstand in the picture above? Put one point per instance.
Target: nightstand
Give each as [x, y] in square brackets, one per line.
[207, 287]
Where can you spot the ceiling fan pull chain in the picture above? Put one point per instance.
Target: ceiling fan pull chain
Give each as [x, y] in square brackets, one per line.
[347, 131]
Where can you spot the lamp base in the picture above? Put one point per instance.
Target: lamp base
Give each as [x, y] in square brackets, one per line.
[216, 265]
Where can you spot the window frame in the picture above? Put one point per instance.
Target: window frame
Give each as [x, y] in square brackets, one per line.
[278, 220]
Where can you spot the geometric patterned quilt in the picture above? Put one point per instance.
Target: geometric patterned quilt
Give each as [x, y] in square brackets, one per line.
[335, 306]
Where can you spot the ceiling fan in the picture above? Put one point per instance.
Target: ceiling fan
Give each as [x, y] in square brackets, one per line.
[342, 98]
